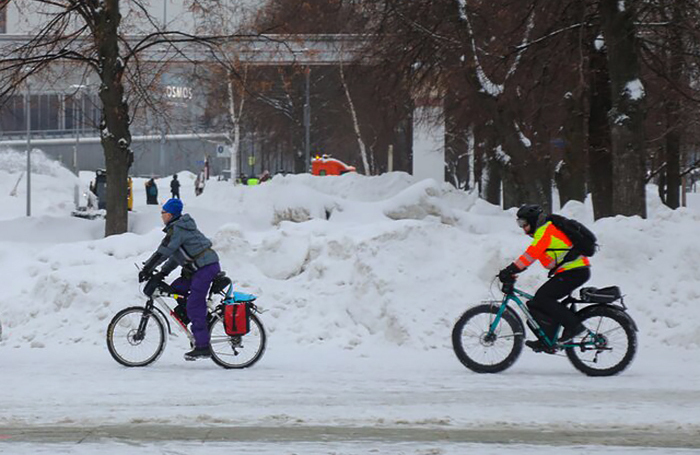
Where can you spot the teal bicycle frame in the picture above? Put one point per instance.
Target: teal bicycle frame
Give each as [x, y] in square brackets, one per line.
[513, 294]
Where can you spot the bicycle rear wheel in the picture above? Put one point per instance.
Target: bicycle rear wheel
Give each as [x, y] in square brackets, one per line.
[611, 349]
[136, 337]
[237, 352]
[483, 352]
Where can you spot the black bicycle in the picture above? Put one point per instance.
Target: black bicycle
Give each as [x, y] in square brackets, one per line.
[136, 336]
[489, 338]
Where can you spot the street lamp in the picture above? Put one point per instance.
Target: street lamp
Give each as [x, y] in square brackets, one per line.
[78, 121]
[29, 148]
[307, 122]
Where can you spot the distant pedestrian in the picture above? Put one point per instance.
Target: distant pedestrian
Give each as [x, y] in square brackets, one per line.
[175, 187]
[151, 192]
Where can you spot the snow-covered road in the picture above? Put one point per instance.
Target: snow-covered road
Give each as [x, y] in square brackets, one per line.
[391, 394]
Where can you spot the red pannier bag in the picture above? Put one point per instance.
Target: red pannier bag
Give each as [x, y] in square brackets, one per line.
[237, 319]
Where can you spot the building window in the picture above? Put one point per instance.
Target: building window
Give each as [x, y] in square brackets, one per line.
[70, 112]
[3, 16]
[49, 113]
[44, 112]
[12, 117]
[46, 116]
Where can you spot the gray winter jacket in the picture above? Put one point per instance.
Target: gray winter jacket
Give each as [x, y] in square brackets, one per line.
[185, 246]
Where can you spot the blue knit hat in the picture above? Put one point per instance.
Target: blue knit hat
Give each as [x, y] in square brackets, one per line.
[173, 206]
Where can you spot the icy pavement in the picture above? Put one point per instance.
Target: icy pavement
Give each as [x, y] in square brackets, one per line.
[323, 448]
[316, 400]
[345, 436]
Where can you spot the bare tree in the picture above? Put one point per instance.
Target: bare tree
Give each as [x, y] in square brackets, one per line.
[94, 42]
[627, 114]
[599, 146]
[235, 91]
[355, 123]
[89, 34]
[670, 45]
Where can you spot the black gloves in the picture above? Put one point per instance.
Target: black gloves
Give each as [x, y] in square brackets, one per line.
[153, 283]
[507, 275]
[147, 275]
[148, 266]
[144, 275]
[158, 277]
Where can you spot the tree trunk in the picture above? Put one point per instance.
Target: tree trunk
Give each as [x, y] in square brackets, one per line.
[662, 181]
[673, 113]
[115, 134]
[571, 174]
[491, 181]
[673, 157]
[627, 114]
[355, 122]
[599, 155]
[403, 149]
[486, 171]
[235, 115]
[522, 171]
[457, 169]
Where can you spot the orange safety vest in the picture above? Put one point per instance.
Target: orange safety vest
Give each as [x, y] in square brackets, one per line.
[549, 246]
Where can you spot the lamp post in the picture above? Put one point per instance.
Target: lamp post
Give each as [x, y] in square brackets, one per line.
[78, 121]
[29, 149]
[307, 122]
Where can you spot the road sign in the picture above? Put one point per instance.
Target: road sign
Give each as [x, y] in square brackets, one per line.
[221, 149]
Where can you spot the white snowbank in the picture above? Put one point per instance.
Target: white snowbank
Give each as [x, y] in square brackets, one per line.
[343, 261]
[52, 185]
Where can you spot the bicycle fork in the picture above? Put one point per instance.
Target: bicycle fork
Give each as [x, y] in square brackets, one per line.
[141, 331]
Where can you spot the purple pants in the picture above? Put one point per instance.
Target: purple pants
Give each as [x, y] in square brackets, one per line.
[198, 287]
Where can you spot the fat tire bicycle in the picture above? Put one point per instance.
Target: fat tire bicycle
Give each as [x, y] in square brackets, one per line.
[489, 338]
[136, 336]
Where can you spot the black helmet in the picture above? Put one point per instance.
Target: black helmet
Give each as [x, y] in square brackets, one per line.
[531, 214]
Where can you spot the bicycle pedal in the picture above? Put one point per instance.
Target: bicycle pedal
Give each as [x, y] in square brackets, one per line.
[540, 346]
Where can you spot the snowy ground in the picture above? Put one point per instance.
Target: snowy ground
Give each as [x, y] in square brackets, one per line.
[363, 279]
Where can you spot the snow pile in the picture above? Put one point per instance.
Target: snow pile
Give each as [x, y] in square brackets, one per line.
[14, 162]
[343, 261]
[52, 185]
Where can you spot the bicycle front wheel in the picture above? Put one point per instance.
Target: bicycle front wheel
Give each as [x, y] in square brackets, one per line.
[135, 337]
[612, 347]
[482, 351]
[237, 351]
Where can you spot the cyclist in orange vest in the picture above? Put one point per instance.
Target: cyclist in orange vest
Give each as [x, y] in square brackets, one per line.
[549, 246]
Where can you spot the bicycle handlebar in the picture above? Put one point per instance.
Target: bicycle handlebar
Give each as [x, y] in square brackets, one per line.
[153, 285]
[508, 287]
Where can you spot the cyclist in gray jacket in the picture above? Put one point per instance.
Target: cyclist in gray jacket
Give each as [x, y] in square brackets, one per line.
[185, 246]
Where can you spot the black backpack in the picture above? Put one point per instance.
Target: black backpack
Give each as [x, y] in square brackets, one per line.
[583, 240]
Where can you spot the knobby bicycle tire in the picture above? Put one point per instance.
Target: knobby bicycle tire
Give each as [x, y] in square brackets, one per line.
[507, 344]
[620, 342]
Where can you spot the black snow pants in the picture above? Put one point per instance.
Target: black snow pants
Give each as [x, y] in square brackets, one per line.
[545, 305]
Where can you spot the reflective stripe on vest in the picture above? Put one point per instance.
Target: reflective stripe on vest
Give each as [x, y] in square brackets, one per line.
[549, 246]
